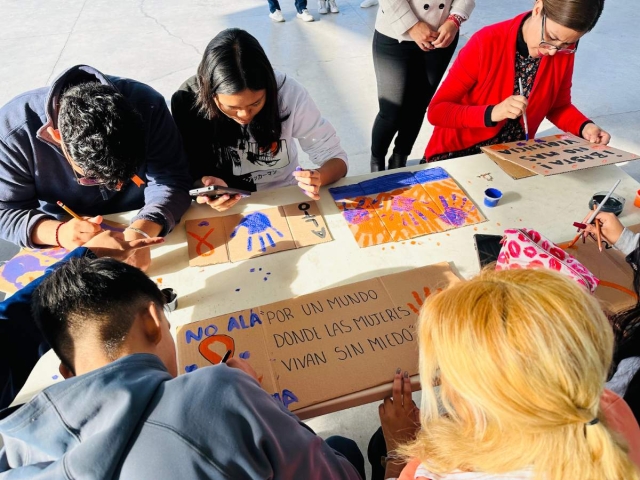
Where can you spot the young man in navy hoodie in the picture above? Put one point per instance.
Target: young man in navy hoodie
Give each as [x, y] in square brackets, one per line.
[122, 413]
[98, 143]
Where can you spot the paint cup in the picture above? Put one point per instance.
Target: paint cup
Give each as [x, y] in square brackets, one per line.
[492, 196]
[614, 205]
[636, 202]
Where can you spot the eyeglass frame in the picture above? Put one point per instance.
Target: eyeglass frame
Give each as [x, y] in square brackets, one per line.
[550, 46]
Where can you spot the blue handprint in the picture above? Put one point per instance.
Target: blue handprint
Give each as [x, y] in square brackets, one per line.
[257, 223]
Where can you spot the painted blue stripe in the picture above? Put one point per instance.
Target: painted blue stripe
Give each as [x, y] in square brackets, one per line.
[387, 183]
[431, 175]
[347, 191]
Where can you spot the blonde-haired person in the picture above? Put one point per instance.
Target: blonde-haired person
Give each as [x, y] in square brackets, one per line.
[521, 357]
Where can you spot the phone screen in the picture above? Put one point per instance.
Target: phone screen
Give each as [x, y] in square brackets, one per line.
[488, 248]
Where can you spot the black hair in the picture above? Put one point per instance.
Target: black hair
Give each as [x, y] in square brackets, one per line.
[578, 15]
[102, 294]
[102, 132]
[233, 62]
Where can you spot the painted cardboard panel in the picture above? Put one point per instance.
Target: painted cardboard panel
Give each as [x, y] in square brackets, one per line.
[307, 224]
[29, 264]
[615, 291]
[363, 221]
[457, 208]
[257, 233]
[332, 343]
[203, 344]
[514, 171]
[206, 241]
[559, 153]
[407, 205]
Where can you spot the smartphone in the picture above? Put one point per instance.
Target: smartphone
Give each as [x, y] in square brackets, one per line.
[213, 191]
[488, 248]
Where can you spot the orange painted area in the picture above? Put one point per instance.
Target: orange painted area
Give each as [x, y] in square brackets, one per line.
[363, 221]
[451, 198]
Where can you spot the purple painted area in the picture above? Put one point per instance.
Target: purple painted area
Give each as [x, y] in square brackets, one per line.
[26, 262]
[539, 140]
[402, 204]
[55, 377]
[453, 215]
[356, 216]
[203, 223]
[252, 270]
[521, 144]
[190, 368]
[265, 279]
[245, 355]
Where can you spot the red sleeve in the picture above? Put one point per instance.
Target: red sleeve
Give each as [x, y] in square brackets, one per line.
[564, 114]
[445, 109]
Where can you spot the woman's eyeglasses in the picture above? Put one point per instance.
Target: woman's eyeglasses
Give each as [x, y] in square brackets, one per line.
[569, 49]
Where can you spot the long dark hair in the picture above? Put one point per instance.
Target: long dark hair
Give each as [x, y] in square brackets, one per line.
[232, 62]
[578, 15]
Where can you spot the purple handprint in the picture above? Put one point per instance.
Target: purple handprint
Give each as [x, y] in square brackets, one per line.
[402, 205]
[357, 214]
[257, 223]
[453, 215]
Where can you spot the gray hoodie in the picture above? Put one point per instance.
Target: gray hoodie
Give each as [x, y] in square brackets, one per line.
[132, 420]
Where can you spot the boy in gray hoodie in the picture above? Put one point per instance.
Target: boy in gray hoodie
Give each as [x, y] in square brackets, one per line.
[122, 413]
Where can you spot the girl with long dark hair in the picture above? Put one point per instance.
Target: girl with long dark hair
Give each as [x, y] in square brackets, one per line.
[239, 118]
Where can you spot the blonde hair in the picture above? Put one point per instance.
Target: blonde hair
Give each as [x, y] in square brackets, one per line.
[522, 357]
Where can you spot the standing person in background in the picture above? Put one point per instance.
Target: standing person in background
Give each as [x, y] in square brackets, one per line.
[480, 103]
[301, 7]
[326, 6]
[412, 47]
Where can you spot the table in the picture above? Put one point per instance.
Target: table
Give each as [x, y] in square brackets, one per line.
[547, 204]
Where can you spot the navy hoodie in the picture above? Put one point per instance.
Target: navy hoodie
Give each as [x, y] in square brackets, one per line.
[132, 420]
[34, 174]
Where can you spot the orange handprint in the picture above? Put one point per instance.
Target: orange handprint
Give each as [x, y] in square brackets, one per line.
[419, 301]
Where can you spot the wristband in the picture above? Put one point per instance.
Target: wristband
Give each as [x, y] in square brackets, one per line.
[57, 233]
[457, 19]
[141, 232]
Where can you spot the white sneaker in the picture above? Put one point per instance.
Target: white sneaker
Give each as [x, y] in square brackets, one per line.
[305, 16]
[368, 3]
[333, 6]
[276, 16]
[322, 7]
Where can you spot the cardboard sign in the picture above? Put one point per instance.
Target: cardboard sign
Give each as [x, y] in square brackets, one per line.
[238, 237]
[558, 154]
[615, 291]
[31, 263]
[514, 171]
[404, 205]
[325, 345]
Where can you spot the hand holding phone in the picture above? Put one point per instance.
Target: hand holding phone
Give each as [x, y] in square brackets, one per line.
[219, 200]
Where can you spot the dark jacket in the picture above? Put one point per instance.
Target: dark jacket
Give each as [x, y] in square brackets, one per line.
[131, 419]
[34, 174]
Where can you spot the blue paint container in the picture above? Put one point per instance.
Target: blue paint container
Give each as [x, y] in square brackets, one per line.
[492, 196]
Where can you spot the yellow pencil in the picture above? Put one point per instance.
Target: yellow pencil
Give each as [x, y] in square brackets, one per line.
[69, 211]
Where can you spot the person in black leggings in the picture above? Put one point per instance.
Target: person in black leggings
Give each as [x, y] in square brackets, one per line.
[410, 57]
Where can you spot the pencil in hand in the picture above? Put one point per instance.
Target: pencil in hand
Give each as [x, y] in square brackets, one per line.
[69, 211]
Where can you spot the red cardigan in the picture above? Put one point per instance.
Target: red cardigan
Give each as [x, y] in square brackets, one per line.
[483, 75]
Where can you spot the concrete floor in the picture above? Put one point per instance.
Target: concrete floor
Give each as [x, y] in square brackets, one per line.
[161, 42]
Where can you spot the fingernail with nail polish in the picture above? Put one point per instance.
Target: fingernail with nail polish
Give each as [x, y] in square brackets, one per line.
[398, 371]
[406, 374]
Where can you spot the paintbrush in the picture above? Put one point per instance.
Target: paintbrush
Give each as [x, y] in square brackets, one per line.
[604, 200]
[524, 113]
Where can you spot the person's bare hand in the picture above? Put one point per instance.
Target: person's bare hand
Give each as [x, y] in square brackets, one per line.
[399, 416]
[243, 365]
[112, 244]
[446, 34]
[511, 107]
[422, 34]
[76, 233]
[221, 203]
[310, 182]
[594, 134]
[610, 227]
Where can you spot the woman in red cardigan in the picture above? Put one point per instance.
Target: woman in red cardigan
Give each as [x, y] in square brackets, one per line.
[479, 103]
